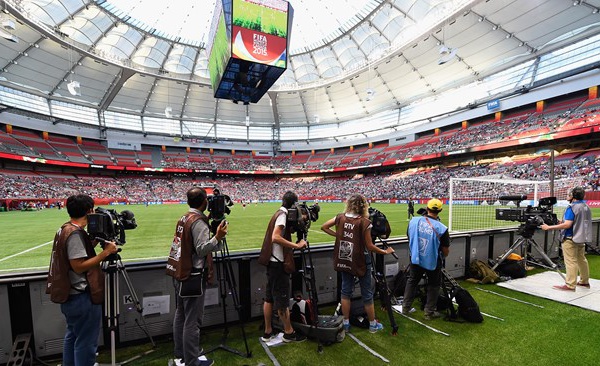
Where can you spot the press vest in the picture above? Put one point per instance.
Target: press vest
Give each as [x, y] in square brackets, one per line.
[350, 244]
[424, 243]
[59, 284]
[582, 224]
[267, 247]
[179, 264]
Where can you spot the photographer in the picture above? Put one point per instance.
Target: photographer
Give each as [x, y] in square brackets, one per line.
[576, 229]
[277, 253]
[76, 282]
[428, 240]
[350, 256]
[191, 244]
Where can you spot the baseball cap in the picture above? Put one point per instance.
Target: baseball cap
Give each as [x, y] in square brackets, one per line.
[434, 205]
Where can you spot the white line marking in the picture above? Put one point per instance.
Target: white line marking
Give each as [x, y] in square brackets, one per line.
[25, 251]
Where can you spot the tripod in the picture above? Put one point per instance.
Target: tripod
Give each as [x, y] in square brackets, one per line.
[112, 267]
[308, 275]
[525, 242]
[227, 284]
[386, 295]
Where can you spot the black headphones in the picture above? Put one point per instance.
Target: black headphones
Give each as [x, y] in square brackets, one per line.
[578, 193]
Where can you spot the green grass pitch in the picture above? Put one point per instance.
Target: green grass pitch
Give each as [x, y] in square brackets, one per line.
[26, 238]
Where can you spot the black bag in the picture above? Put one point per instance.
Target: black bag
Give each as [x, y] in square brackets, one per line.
[400, 281]
[467, 306]
[193, 286]
[512, 269]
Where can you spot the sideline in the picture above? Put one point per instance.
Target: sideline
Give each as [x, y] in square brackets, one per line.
[360, 343]
[25, 251]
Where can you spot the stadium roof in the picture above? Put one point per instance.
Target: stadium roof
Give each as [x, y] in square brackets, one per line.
[349, 60]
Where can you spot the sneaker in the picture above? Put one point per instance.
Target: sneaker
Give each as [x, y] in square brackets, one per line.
[293, 337]
[375, 328]
[586, 285]
[267, 337]
[201, 359]
[432, 315]
[563, 288]
[207, 362]
[347, 328]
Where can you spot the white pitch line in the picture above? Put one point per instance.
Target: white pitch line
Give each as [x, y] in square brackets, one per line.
[25, 251]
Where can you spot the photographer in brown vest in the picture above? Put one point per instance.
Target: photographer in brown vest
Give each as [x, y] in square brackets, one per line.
[76, 282]
[350, 256]
[191, 245]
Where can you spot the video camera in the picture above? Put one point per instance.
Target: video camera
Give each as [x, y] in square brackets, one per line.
[301, 215]
[530, 217]
[108, 225]
[380, 225]
[218, 205]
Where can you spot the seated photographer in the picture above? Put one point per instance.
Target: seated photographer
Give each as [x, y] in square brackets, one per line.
[428, 241]
[76, 282]
[350, 256]
[188, 256]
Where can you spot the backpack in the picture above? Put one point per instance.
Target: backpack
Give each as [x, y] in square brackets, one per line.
[467, 306]
[302, 311]
[513, 269]
[483, 272]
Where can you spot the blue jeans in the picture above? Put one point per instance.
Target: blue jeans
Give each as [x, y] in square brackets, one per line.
[83, 328]
[366, 289]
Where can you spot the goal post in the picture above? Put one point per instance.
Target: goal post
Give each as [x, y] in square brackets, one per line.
[473, 201]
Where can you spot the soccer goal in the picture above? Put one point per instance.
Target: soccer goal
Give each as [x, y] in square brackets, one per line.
[473, 201]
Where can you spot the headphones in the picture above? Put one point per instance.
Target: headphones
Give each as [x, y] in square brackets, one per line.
[577, 193]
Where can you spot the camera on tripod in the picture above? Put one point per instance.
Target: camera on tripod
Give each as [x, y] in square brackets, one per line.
[109, 225]
[530, 217]
[218, 205]
[380, 225]
[301, 215]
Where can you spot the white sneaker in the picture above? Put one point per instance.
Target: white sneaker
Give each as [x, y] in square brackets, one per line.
[179, 361]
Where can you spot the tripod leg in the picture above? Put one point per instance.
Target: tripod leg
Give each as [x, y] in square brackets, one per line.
[385, 294]
[546, 258]
[512, 248]
[227, 284]
[135, 299]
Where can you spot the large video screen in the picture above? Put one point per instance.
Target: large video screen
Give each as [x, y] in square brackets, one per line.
[260, 30]
[219, 50]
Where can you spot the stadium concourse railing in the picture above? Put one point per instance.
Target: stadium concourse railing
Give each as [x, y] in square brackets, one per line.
[26, 309]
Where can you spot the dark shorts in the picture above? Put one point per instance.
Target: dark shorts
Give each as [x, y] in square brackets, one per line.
[278, 286]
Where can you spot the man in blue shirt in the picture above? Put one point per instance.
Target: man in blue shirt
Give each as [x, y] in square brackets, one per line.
[428, 240]
[576, 229]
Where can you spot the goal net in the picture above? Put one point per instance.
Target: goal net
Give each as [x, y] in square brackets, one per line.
[473, 201]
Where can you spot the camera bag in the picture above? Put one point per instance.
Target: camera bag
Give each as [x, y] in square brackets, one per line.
[193, 286]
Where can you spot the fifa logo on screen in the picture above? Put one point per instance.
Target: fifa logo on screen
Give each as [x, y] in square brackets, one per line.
[259, 44]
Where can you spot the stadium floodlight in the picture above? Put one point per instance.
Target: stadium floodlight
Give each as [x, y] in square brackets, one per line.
[7, 35]
[370, 94]
[74, 88]
[168, 111]
[446, 54]
[8, 24]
